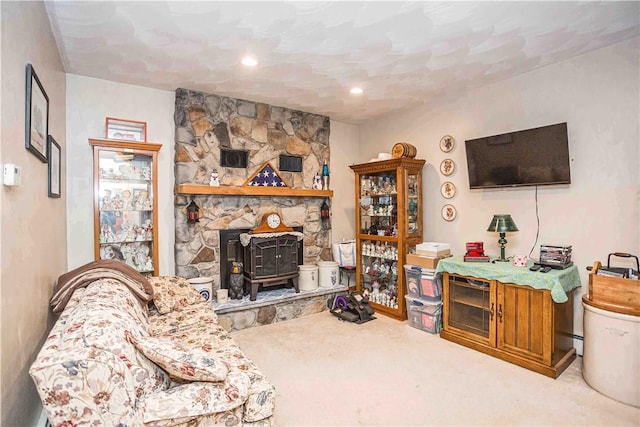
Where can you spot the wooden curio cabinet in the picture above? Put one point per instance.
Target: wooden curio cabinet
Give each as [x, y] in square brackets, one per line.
[388, 221]
[125, 202]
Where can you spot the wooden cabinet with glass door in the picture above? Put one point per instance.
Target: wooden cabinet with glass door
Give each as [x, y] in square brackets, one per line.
[516, 323]
[388, 222]
[125, 202]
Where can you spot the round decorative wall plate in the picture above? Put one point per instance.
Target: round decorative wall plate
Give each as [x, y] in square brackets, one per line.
[447, 143]
[448, 190]
[449, 212]
[447, 167]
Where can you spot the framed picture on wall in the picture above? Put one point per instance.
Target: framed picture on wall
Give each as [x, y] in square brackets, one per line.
[55, 157]
[128, 130]
[36, 116]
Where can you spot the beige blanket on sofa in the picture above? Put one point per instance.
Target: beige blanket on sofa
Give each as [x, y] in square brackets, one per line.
[96, 270]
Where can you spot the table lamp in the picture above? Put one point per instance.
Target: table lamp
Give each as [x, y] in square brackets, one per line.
[502, 223]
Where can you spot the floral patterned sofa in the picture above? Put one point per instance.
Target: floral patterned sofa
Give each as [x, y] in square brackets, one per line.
[132, 351]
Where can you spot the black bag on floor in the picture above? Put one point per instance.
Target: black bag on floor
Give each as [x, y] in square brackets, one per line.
[352, 307]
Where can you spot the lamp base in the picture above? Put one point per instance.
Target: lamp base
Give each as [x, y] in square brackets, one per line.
[502, 260]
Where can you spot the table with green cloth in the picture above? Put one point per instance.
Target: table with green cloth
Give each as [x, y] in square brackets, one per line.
[558, 282]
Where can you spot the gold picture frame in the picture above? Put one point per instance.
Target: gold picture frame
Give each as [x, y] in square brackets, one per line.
[126, 130]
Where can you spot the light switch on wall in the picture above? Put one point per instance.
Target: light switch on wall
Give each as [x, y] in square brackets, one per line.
[11, 174]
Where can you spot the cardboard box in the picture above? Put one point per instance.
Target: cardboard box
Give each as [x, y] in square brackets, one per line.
[434, 254]
[433, 249]
[423, 261]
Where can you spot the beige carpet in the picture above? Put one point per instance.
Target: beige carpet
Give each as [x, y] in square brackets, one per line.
[386, 373]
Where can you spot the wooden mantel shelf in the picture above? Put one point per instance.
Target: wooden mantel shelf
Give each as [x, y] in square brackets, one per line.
[189, 189]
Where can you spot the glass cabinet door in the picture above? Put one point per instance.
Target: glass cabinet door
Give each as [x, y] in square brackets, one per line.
[470, 306]
[414, 217]
[379, 272]
[379, 204]
[125, 206]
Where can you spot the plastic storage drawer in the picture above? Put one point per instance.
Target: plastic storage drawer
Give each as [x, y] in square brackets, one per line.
[424, 315]
[422, 283]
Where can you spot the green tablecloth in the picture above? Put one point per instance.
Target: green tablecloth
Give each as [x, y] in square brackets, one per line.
[559, 282]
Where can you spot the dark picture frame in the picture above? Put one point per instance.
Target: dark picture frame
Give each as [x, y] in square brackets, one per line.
[55, 163]
[36, 116]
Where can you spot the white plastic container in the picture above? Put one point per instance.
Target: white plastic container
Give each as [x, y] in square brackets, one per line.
[308, 278]
[328, 274]
[611, 354]
[203, 285]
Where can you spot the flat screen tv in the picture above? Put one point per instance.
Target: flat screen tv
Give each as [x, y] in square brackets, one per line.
[538, 156]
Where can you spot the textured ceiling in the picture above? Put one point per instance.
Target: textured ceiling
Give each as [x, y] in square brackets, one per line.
[311, 53]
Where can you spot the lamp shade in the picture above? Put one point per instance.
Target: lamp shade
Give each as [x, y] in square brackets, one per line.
[502, 223]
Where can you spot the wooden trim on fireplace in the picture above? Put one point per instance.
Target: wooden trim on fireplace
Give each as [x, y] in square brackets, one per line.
[250, 191]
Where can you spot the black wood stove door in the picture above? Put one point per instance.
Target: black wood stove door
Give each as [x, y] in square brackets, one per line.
[267, 257]
[264, 254]
[287, 255]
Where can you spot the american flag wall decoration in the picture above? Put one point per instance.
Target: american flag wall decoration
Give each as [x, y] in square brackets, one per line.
[266, 176]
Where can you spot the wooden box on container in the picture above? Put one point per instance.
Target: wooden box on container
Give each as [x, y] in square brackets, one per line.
[613, 293]
[423, 261]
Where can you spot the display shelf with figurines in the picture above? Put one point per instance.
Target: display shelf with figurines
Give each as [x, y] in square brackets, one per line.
[125, 208]
[380, 272]
[389, 220]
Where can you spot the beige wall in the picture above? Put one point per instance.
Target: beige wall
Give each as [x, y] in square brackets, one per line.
[597, 94]
[89, 102]
[33, 226]
[344, 151]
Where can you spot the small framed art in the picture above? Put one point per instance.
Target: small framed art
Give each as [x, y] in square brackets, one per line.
[449, 212]
[128, 130]
[55, 157]
[447, 143]
[447, 167]
[448, 190]
[36, 116]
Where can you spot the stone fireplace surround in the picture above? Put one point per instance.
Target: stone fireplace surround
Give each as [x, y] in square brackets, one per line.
[205, 123]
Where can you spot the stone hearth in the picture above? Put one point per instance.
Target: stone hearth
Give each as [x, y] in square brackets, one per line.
[273, 306]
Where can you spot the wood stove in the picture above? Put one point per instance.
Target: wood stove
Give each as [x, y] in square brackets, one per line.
[271, 254]
[271, 260]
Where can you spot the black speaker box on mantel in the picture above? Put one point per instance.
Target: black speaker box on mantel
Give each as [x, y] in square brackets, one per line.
[290, 163]
[234, 158]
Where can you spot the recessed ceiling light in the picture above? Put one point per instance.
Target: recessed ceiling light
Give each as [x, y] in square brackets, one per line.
[356, 91]
[249, 61]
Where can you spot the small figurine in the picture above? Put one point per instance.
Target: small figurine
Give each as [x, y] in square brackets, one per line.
[148, 228]
[106, 201]
[112, 252]
[117, 202]
[214, 181]
[376, 287]
[148, 204]
[106, 233]
[140, 234]
[148, 266]
[146, 173]
[127, 203]
[317, 182]
[129, 232]
[236, 282]
[141, 200]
